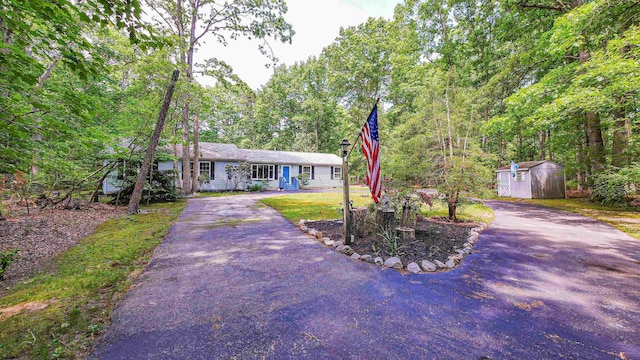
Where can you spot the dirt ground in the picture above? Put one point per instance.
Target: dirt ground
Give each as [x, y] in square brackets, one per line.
[43, 234]
[436, 239]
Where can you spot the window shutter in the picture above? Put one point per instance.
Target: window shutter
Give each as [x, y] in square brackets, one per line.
[332, 173]
[299, 170]
[213, 171]
[313, 176]
[275, 174]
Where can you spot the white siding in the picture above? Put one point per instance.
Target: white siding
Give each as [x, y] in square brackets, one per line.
[111, 183]
[165, 166]
[323, 178]
[521, 189]
[220, 179]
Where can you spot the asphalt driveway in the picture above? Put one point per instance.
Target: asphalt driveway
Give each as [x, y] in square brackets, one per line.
[235, 280]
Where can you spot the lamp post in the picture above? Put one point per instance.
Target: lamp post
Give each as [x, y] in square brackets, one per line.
[346, 226]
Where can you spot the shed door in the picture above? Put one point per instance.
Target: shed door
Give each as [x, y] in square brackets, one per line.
[503, 184]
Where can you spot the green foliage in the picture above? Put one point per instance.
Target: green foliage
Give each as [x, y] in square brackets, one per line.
[618, 186]
[160, 188]
[238, 173]
[303, 180]
[6, 258]
[257, 187]
[391, 241]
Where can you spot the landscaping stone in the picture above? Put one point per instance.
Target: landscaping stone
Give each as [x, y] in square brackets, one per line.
[413, 267]
[366, 257]
[428, 266]
[378, 261]
[467, 250]
[319, 234]
[355, 255]
[312, 232]
[393, 262]
[301, 222]
[303, 228]
[346, 250]
[450, 264]
[461, 252]
[440, 264]
[328, 242]
[340, 248]
[337, 243]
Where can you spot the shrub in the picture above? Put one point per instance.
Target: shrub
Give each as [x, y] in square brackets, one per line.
[617, 186]
[161, 188]
[258, 187]
[303, 180]
[6, 258]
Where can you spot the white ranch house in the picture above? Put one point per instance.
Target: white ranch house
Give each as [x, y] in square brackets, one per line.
[280, 169]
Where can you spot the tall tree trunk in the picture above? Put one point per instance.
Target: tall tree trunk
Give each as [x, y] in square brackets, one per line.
[580, 157]
[186, 165]
[596, 144]
[316, 134]
[594, 130]
[36, 136]
[134, 202]
[196, 154]
[549, 149]
[499, 149]
[619, 141]
[446, 99]
[542, 138]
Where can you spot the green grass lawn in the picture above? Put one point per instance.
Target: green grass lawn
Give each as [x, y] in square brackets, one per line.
[82, 290]
[220, 193]
[466, 212]
[627, 220]
[315, 206]
[324, 206]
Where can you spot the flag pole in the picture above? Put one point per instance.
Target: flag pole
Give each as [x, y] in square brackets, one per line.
[358, 137]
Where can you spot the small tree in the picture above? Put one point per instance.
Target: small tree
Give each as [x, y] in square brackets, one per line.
[303, 180]
[238, 173]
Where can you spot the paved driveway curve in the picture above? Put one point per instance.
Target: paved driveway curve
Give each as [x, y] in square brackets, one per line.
[233, 279]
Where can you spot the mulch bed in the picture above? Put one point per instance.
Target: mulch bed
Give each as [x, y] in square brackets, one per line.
[436, 239]
[44, 234]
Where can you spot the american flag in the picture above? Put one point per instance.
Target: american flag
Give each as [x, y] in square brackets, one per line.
[371, 151]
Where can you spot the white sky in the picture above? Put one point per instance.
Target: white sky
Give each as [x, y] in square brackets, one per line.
[316, 23]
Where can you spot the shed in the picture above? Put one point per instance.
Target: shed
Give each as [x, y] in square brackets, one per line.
[532, 180]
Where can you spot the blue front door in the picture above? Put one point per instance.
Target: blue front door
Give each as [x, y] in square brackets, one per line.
[285, 173]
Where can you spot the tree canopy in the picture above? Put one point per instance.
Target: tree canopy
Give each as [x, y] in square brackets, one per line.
[466, 86]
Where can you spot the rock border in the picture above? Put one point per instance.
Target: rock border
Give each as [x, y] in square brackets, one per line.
[394, 262]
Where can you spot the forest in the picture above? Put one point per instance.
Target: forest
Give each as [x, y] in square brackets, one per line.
[466, 86]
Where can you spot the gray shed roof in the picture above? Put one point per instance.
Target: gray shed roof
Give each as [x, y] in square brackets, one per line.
[230, 152]
[525, 165]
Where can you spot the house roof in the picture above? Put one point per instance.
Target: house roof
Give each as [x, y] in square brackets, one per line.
[290, 157]
[230, 152]
[525, 165]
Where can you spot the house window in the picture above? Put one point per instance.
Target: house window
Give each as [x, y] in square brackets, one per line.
[307, 171]
[337, 172]
[519, 176]
[262, 172]
[206, 169]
